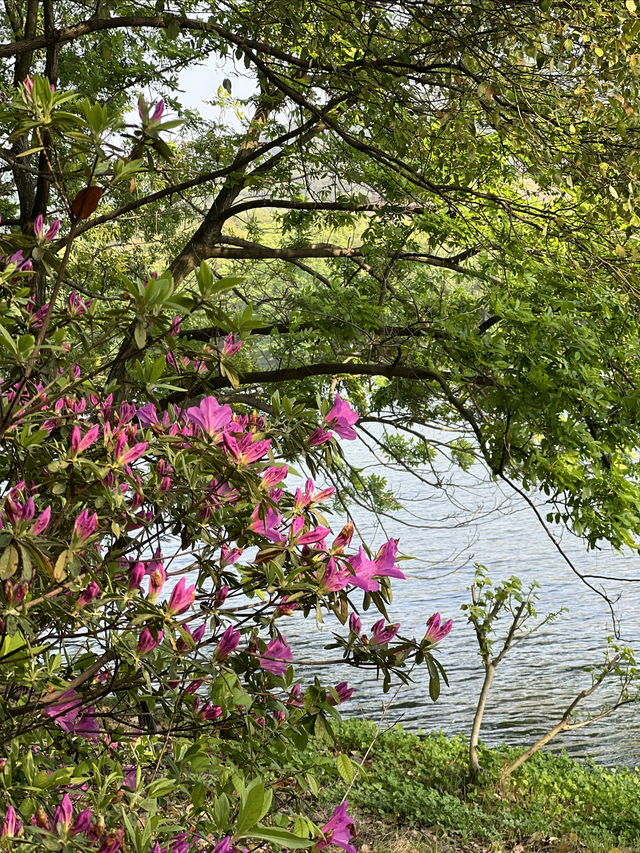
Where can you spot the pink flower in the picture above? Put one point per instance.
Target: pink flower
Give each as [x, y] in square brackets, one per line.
[302, 500]
[246, 450]
[230, 555]
[273, 475]
[385, 559]
[228, 643]
[62, 814]
[223, 846]
[135, 576]
[383, 634]
[208, 711]
[355, 624]
[339, 831]
[294, 697]
[65, 710]
[274, 659]
[334, 579]
[156, 115]
[84, 525]
[38, 229]
[231, 346]
[147, 415]
[318, 437]
[196, 636]
[132, 453]
[286, 607]
[82, 823]
[436, 631]
[147, 642]
[78, 443]
[221, 595]
[87, 726]
[157, 578]
[42, 522]
[148, 117]
[364, 570]
[210, 416]
[341, 418]
[11, 825]
[181, 598]
[67, 713]
[88, 594]
[344, 694]
[269, 526]
[76, 306]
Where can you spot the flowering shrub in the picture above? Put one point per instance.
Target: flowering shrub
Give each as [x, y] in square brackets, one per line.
[151, 547]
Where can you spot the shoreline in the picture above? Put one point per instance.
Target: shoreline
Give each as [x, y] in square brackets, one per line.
[412, 794]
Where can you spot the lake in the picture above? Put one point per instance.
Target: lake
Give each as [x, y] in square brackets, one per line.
[446, 533]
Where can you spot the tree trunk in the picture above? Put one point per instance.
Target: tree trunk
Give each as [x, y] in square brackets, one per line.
[474, 764]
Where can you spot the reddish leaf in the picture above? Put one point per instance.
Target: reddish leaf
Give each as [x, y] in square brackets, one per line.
[86, 202]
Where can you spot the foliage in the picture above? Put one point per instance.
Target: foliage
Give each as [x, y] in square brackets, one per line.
[428, 207]
[434, 202]
[490, 604]
[151, 546]
[422, 780]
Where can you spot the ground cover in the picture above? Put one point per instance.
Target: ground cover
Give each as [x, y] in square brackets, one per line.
[413, 795]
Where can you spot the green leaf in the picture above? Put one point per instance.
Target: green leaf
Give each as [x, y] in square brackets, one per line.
[8, 562]
[160, 788]
[283, 837]
[221, 811]
[251, 807]
[140, 335]
[345, 768]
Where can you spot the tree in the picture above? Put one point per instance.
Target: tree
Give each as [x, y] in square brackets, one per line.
[122, 525]
[433, 203]
[429, 204]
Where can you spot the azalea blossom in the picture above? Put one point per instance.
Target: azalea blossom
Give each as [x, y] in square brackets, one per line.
[339, 831]
[319, 436]
[11, 826]
[344, 694]
[435, 630]
[273, 475]
[245, 450]
[80, 443]
[224, 846]
[84, 525]
[135, 576]
[355, 624]
[231, 346]
[63, 814]
[267, 526]
[42, 522]
[383, 634]
[147, 642]
[92, 591]
[210, 416]
[341, 418]
[276, 656]
[182, 597]
[334, 579]
[228, 643]
[38, 229]
[148, 415]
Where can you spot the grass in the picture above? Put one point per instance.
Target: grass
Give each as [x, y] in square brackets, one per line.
[413, 795]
